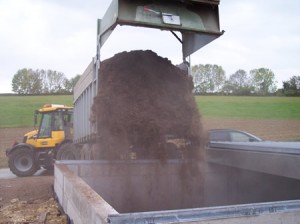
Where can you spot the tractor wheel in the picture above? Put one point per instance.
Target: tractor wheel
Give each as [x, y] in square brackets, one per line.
[22, 163]
[67, 152]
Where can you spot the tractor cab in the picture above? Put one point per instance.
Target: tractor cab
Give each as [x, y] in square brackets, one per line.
[55, 125]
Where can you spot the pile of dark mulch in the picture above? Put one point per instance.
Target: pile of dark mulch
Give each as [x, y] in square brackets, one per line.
[145, 108]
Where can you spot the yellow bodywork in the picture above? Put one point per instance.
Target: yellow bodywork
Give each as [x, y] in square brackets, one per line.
[56, 137]
[53, 107]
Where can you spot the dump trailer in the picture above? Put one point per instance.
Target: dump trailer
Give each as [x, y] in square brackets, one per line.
[229, 186]
[197, 21]
[50, 140]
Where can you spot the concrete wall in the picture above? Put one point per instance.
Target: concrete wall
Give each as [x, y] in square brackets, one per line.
[79, 201]
[136, 186]
[225, 185]
[139, 186]
[287, 212]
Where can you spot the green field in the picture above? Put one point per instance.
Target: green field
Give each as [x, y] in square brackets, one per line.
[17, 111]
[286, 108]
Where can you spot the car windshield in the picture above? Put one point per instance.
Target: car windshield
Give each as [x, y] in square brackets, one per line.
[232, 136]
[239, 137]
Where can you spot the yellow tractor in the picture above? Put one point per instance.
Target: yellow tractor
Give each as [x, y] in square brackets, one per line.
[50, 140]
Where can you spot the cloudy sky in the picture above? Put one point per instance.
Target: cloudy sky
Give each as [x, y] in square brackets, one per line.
[61, 35]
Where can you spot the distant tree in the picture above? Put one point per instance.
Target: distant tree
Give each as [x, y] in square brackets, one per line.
[202, 79]
[238, 83]
[43, 74]
[26, 81]
[54, 81]
[292, 87]
[219, 77]
[263, 80]
[208, 78]
[70, 84]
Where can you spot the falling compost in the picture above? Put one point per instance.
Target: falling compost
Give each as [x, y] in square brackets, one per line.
[145, 107]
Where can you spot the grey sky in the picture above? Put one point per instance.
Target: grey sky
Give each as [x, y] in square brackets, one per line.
[61, 35]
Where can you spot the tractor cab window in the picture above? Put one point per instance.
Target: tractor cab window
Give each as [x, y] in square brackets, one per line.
[45, 126]
[68, 124]
[58, 123]
[68, 118]
[52, 121]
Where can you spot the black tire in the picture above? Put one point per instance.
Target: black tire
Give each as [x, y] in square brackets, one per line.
[21, 162]
[67, 152]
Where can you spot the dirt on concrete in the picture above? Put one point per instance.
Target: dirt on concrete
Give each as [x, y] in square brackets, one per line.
[29, 200]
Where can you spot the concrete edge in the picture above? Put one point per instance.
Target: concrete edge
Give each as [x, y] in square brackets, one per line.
[78, 199]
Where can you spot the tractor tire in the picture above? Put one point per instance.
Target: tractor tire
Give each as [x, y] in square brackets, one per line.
[21, 162]
[67, 151]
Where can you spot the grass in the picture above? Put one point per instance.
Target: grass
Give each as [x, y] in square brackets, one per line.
[17, 111]
[285, 108]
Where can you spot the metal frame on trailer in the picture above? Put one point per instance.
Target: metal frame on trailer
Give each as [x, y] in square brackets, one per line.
[86, 90]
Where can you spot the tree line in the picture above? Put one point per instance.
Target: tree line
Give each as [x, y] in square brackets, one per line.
[41, 81]
[211, 79]
[208, 79]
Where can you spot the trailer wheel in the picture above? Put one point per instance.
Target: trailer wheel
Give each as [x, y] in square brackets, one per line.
[67, 152]
[21, 162]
